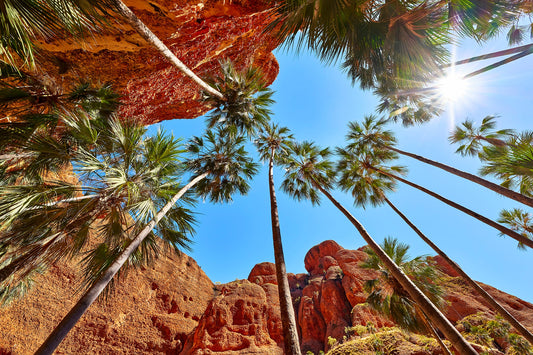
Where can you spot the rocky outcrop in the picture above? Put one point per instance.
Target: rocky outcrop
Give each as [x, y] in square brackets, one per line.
[243, 317]
[200, 33]
[174, 308]
[152, 310]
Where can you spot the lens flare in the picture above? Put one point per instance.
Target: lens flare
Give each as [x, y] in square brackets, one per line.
[452, 87]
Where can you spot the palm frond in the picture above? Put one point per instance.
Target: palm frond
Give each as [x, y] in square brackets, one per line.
[244, 107]
[225, 160]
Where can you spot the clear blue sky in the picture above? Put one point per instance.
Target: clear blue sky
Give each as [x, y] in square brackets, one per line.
[316, 102]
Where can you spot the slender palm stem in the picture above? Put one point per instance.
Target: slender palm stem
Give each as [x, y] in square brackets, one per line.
[478, 180]
[149, 36]
[288, 319]
[528, 51]
[504, 230]
[68, 322]
[432, 329]
[522, 54]
[486, 296]
[491, 55]
[15, 156]
[425, 304]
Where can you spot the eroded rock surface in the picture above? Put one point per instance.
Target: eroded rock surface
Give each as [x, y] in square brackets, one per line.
[173, 308]
[200, 33]
[152, 310]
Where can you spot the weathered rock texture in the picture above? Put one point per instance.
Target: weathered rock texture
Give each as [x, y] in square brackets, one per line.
[200, 33]
[173, 308]
[152, 310]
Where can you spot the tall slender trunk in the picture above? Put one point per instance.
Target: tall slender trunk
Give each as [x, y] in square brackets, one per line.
[151, 38]
[68, 322]
[291, 343]
[478, 180]
[432, 330]
[486, 296]
[436, 316]
[504, 230]
[491, 55]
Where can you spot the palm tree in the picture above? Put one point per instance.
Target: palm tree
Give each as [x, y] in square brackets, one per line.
[245, 105]
[220, 168]
[473, 139]
[371, 131]
[273, 146]
[369, 186]
[519, 221]
[488, 221]
[388, 297]
[309, 170]
[22, 22]
[122, 179]
[512, 163]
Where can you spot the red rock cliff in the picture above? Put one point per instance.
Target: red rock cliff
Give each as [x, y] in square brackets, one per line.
[200, 33]
[174, 308]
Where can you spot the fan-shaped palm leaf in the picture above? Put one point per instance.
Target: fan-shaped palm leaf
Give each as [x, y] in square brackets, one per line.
[473, 138]
[519, 221]
[512, 163]
[244, 106]
[387, 296]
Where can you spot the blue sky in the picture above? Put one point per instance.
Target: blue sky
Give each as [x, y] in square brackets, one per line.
[316, 102]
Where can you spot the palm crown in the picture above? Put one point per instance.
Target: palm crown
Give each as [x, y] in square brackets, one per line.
[366, 185]
[244, 106]
[124, 179]
[388, 296]
[519, 221]
[226, 162]
[512, 163]
[473, 139]
[273, 142]
[306, 169]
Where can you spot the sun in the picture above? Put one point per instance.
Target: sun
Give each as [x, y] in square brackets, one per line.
[452, 87]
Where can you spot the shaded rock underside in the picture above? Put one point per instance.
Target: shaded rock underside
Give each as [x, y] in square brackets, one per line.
[200, 33]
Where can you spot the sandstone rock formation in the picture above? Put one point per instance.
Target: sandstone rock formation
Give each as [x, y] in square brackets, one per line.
[173, 308]
[200, 33]
[152, 310]
[243, 318]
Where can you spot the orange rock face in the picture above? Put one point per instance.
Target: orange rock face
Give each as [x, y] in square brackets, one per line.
[200, 33]
[239, 319]
[173, 308]
[152, 310]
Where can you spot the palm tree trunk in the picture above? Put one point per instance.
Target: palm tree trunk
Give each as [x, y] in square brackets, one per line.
[524, 53]
[486, 296]
[288, 320]
[68, 322]
[491, 55]
[504, 230]
[432, 329]
[151, 38]
[15, 156]
[478, 180]
[436, 316]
